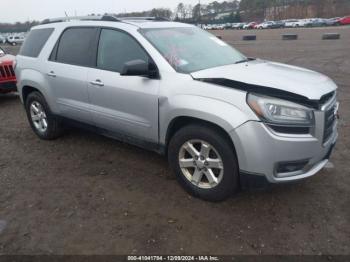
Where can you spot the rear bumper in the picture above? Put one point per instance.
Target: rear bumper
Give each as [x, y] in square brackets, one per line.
[6, 87]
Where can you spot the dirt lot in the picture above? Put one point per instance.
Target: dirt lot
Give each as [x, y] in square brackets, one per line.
[86, 194]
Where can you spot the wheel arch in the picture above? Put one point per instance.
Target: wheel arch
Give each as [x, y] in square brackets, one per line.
[32, 80]
[26, 90]
[182, 110]
[181, 121]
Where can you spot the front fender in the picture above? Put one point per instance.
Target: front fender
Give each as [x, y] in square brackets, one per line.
[218, 112]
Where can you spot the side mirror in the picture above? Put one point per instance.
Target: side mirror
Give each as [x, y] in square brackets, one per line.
[139, 68]
[2, 52]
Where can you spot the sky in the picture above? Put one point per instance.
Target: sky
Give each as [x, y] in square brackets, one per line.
[24, 10]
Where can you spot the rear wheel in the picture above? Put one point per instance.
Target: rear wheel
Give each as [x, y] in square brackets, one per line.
[204, 162]
[45, 125]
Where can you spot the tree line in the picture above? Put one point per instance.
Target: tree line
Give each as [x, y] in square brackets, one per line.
[285, 9]
[248, 10]
[17, 27]
[260, 10]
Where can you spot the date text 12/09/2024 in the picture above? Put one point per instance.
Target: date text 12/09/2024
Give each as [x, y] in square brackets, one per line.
[173, 258]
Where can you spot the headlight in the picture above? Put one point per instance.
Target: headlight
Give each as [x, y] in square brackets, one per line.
[280, 112]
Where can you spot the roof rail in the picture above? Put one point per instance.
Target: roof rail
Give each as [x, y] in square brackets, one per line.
[107, 17]
[148, 18]
[110, 18]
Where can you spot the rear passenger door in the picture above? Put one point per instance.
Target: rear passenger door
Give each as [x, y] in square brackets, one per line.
[125, 105]
[67, 72]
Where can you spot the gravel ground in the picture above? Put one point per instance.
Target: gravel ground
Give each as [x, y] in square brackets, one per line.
[87, 194]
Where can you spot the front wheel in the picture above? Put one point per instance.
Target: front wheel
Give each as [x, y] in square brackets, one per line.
[204, 162]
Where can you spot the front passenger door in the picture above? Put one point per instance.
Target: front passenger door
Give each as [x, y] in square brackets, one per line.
[126, 105]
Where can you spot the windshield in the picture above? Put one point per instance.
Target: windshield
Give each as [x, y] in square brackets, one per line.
[191, 49]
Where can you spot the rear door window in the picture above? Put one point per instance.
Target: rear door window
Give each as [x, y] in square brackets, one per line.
[35, 42]
[76, 47]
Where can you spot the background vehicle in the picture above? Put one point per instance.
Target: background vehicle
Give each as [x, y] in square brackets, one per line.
[219, 27]
[297, 23]
[269, 25]
[332, 21]
[158, 85]
[15, 40]
[279, 24]
[344, 21]
[250, 25]
[228, 26]
[240, 26]
[7, 74]
[237, 25]
[290, 23]
[263, 25]
[317, 22]
[2, 40]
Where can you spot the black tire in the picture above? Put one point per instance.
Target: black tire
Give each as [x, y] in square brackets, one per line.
[54, 127]
[230, 179]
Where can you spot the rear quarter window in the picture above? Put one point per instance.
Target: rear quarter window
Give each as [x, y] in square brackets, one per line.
[35, 42]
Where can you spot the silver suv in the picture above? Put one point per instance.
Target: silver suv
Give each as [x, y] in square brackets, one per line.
[224, 120]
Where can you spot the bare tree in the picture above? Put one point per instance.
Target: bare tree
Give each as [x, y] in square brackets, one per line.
[181, 11]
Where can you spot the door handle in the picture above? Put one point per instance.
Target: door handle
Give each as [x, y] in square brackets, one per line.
[97, 82]
[52, 74]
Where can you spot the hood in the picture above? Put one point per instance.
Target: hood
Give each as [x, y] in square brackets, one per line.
[270, 77]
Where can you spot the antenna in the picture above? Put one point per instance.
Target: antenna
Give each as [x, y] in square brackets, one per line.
[199, 14]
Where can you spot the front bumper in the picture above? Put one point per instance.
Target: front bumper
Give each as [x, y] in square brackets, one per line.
[260, 151]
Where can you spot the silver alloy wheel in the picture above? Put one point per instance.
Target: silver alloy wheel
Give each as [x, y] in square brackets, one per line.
[38, 116]
[201, 164]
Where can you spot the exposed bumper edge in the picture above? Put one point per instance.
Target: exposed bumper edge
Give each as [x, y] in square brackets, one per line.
[253, 181]
[259, 181]
[318, 167]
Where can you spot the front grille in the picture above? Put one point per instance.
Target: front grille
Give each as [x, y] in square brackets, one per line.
[330, 118]
[7, 72]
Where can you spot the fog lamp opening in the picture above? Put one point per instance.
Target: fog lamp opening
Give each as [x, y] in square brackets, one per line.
[292, 168]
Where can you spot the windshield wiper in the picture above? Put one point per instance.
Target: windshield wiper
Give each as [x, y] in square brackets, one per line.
[245, 60]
